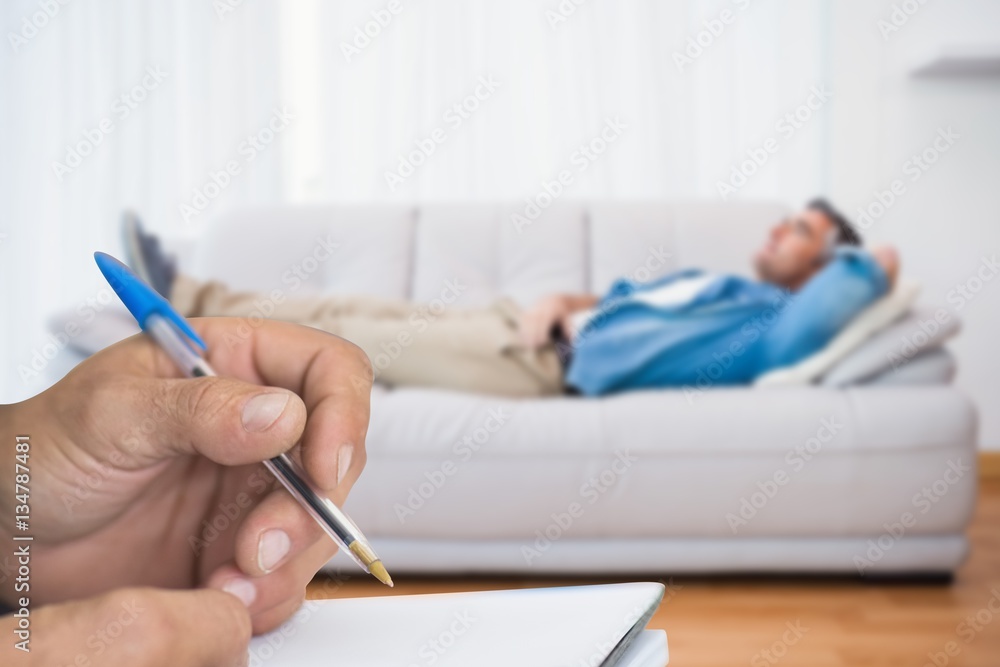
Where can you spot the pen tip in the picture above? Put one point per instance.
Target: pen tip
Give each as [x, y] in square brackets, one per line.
[379, 572]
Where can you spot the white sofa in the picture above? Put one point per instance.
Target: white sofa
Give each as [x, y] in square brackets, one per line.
[803, 479]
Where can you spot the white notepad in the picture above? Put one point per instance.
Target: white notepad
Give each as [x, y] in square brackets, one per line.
[573, 626]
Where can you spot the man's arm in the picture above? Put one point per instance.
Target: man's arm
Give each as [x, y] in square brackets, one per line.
[555, 310]
[853, 280]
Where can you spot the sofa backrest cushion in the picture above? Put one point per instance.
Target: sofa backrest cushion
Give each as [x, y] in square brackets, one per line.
[477, 246]
[306, 250]
[486, 250]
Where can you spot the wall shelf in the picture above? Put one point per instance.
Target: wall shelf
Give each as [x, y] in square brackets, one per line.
[962, 60]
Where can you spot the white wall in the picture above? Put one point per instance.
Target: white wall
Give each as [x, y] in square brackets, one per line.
[949, 219]
[688, 129]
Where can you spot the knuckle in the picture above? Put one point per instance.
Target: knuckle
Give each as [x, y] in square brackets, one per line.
[358, 358]
[205, 396]
[350, 362]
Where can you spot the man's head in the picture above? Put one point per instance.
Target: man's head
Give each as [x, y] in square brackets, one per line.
[801, 244]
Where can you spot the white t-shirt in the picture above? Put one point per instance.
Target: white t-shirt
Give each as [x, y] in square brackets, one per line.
[675, 293]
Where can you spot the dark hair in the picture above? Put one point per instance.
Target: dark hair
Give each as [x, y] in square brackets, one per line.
[846, 233]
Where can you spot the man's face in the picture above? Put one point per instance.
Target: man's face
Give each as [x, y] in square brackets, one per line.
[794, 250]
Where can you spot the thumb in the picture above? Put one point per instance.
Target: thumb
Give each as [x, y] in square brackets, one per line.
[209, 628]
[143, 627]
[227, 421]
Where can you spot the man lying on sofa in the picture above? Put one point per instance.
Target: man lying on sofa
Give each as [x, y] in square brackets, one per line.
[813, 278]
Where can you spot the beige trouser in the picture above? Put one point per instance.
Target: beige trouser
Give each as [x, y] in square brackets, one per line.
[408, 344]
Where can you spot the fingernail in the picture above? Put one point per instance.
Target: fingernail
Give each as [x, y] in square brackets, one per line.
[242, 589]
[273, 546]
[344, 462]
[263, 410]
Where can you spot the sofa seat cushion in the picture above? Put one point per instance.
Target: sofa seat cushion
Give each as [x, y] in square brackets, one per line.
[809, 461]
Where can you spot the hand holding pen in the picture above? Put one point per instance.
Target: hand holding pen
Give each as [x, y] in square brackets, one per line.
[180, 342]
[147, 489]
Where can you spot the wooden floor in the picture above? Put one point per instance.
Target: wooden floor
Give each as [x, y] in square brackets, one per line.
[841, 622]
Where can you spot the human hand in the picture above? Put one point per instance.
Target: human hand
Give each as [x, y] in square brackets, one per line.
[135, 627]
[140, 477]
[537, 322]
[888, 258]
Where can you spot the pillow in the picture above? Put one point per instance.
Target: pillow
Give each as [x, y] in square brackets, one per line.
[895, 347]
[106, 327]
[875, 317]
[936, 366]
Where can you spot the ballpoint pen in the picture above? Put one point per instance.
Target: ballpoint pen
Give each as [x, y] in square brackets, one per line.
[172, 333]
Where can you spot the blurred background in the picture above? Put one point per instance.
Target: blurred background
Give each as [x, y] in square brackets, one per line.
[181, 85]
[193, 112]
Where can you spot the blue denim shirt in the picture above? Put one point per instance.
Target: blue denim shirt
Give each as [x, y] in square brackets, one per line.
[734, 330]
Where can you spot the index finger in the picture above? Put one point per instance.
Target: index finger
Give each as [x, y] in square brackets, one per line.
[331, 375]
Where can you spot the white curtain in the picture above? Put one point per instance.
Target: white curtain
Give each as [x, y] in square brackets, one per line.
[221, 76]
[208, 83]
[559, 80]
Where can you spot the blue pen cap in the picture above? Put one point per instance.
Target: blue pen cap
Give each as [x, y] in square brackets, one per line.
[141, 299]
